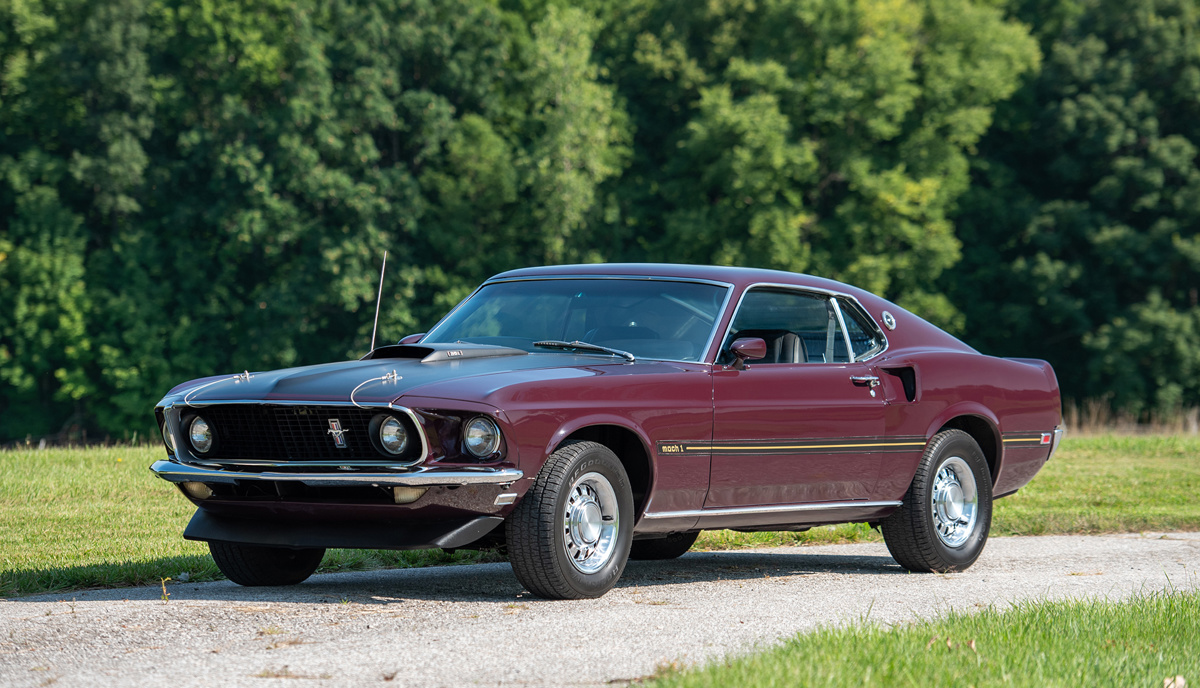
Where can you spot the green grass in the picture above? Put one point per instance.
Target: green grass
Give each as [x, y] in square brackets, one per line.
[1140, 642]
[1096, 484]
[1110, 484]
[74, 518]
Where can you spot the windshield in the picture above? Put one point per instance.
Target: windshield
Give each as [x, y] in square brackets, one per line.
[648, 318]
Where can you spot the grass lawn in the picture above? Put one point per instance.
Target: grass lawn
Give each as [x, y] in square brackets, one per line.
[74, 518]
[86, 518]
[1141, 642]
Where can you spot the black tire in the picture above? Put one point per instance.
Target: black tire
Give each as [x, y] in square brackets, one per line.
[254, 565]
[672, 546]
[548, 533]
[912, 532]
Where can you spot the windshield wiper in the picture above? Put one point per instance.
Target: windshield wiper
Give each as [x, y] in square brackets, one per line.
[584, 346]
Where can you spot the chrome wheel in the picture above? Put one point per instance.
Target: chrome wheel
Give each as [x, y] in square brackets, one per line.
[569, 537]
[955, 501]
[943, 523]
[590, 523]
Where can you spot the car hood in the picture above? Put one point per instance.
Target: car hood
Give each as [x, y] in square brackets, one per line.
[381, 377]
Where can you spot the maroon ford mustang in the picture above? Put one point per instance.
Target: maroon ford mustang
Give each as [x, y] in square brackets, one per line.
[581, 415]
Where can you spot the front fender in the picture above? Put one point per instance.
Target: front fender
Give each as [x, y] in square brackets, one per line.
[574, 425]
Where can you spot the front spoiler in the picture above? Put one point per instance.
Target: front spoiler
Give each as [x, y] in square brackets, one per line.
[368, 534]
[174, 472]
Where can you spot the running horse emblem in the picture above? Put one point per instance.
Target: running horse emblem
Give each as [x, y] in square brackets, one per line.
[339, 434]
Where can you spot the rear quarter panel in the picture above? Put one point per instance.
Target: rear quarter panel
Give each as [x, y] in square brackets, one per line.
[1017, 399]
[1013, 396]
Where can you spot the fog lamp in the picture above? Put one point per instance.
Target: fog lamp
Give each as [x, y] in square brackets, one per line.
[197, 490]
[481, 436]
[407, 495]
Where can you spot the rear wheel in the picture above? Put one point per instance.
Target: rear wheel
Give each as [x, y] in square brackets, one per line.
[672, 546]
[944, 521]
[254, 565]
[569, 536]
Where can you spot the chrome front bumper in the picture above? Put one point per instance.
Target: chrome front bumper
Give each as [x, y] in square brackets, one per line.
[174, 472]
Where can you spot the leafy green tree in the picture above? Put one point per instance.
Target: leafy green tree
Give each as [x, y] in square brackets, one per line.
[44, 342]
[189, 187]
[825, 136]
[197, 186]
[1081, 228]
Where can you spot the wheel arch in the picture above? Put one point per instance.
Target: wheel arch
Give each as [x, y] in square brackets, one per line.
[629, 446]
[983, 427]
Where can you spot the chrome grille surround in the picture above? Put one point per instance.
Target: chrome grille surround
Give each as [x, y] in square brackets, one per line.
[274, 434]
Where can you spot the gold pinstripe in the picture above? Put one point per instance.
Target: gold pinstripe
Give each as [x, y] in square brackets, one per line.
[716, 447]
[720, 447]
[823, 446]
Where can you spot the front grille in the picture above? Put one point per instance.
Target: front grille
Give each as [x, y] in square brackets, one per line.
[298, 433]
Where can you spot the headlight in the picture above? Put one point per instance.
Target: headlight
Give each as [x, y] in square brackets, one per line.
[167, 437]
[481, 436]
[200, 435]
[392, 436]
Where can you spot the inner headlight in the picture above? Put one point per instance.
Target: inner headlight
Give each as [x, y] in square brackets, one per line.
[200, 435]
[166, 432]
[481, 436]
[392, 436]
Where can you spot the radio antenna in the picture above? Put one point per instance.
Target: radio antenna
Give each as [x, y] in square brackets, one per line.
[378, 299]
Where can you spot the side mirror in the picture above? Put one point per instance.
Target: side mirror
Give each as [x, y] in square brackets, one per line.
[748, 349]
[412, 338]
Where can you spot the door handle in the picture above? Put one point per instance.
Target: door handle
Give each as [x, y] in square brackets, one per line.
[869, 380]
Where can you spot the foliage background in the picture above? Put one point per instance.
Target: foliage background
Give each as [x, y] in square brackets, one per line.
[196, 186]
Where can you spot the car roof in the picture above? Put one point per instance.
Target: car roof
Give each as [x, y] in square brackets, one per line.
[913, 328]
[739, 277]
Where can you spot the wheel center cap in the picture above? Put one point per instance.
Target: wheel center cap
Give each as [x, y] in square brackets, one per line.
[953, 502]
[588, 518]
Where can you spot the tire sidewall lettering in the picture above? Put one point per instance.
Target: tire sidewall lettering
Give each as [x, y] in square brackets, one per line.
[606, 577]
[963, 555]
[911, 533]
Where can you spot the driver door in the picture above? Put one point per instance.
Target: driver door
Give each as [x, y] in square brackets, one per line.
[795, 427]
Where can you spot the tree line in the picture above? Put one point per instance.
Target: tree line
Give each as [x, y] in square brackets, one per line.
[190, 187]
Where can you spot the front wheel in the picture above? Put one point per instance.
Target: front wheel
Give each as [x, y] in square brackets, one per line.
[946, 515]
[569, 536]
[255, 565]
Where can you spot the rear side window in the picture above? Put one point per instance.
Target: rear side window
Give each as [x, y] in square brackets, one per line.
[865, 338]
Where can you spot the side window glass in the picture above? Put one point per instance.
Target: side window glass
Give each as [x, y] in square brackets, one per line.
[865, 338]
[797, 327]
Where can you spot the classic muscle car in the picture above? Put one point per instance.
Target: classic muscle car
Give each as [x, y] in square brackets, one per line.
[582, 415]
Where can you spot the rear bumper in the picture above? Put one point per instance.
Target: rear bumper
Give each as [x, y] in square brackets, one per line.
[1059, 433]
[417, 477]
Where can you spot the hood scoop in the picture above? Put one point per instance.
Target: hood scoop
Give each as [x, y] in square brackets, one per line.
[433, 353]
